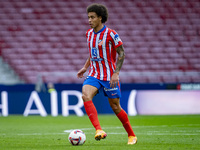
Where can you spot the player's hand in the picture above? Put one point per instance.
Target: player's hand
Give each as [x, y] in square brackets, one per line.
[114, 80]
[81, 72]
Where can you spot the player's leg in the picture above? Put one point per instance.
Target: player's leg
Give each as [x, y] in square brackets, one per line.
[115, 105]
[123, 117]
[88, 92]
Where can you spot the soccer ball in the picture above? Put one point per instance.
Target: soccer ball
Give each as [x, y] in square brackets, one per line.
[77, 137]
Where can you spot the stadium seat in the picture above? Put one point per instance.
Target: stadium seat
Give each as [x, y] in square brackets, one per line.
[159, 36]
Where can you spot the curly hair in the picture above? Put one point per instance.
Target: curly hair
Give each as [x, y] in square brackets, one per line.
[100, 10]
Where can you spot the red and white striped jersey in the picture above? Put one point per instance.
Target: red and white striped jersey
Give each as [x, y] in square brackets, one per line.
[102, 48]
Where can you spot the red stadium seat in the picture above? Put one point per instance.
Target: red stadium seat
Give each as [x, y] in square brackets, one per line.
[160, 36]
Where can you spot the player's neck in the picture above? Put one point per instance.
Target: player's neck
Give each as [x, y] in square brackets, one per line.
[98, 28]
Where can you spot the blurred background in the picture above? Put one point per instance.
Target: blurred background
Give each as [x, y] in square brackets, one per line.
[43, 45]
[45, 40]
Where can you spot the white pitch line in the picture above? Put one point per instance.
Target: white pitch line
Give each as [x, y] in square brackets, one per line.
[171, 134]
[83, 129]
[181, 132]
[114, 133]
[40, 133]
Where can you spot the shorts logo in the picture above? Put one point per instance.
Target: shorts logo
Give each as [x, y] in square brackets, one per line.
[113, 94]
[113, 89]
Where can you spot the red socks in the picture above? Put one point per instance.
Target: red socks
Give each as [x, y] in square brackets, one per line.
[123, 117]
[92, 114]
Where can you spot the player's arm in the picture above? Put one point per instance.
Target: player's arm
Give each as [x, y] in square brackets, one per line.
[115, 77]
[87, 63]
[84, 69]
[120, 59]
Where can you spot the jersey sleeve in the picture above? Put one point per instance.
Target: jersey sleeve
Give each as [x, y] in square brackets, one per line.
[86, 34]
[116, 39]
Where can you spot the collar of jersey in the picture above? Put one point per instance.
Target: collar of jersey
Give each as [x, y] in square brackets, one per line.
[100, 30]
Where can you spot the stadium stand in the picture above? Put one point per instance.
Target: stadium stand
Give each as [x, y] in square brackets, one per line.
[7, 75]
[161, 39]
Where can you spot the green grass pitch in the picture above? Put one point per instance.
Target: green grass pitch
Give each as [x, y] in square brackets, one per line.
[47, 133]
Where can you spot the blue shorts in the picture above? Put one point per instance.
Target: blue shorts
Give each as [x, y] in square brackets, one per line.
[108, 91]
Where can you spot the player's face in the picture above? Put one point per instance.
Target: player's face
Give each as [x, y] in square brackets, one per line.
[94, 20]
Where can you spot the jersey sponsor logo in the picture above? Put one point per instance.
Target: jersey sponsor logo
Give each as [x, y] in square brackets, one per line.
[96, 59]
[94, 52]
[94, 55]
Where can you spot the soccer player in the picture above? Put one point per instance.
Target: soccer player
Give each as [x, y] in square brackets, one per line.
[104, 44]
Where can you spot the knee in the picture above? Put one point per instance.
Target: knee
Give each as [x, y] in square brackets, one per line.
[116, 108]
[85, 97]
